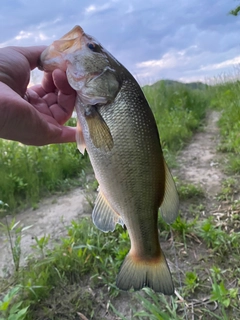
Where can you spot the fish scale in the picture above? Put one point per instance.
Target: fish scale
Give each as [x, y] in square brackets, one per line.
[127, 157]
[117, 128]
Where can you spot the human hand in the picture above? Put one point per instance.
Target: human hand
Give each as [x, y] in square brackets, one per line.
[35, 115]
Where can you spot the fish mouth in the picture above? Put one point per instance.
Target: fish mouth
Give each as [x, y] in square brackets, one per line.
[76, 32]
[54, 56]
[70, 42]
[40, 64]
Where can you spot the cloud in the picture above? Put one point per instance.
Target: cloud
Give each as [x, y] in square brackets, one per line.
[169, 60]
[90, 9]
[95, 9]
[153, 39]
[23, 35]
[37, 36]
[228, 63]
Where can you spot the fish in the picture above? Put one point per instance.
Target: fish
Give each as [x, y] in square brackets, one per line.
[117, 128]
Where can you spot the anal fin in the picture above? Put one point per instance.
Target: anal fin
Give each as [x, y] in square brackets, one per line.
[170, 204]
[104, 217]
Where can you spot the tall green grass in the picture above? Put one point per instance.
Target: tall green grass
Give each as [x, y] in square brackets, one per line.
[178, 111]
[27, 172]
[226, 98]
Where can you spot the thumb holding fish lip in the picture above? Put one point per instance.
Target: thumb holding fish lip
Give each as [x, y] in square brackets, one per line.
[16, 64]
[31, 53]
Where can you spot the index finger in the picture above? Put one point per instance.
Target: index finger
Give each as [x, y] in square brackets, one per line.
[61, 82]
[47, 82]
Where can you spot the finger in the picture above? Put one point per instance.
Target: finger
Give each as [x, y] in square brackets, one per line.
[61, 115]
[47, 83]
[67, 102]
[50, 98]
[63, 110]
[61, 82]
[38, 103]
[66, 97]
[38, 89]
[67, 134]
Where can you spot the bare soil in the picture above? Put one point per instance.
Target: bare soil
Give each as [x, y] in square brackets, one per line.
[199, 163]
[50, 218]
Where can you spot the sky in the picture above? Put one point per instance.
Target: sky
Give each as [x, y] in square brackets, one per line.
[183, 40]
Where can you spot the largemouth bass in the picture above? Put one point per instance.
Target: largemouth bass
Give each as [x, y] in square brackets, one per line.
[118, 130]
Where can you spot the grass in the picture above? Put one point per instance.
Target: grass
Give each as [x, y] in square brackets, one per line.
[226, 98]
[178, 111]
[88, 258]
[75, 277]
[27, 173]
[85, 249]
[188, 190]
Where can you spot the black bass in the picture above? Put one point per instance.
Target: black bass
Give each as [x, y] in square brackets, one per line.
[118, 130]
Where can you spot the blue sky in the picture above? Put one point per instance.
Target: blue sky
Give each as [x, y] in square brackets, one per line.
[185, 40]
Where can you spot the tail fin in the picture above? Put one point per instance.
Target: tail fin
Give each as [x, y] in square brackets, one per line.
[137, 274]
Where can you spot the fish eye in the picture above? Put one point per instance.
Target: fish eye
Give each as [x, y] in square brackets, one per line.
[92, 47]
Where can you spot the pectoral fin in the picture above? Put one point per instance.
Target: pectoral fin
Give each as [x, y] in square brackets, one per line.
[104, 217]
[170, 204]
[98, 129]
[80, 139]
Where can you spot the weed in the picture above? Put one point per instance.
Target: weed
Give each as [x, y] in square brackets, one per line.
[228, 189]
[182, 228]
[191, 281]
[85, 250]
[215, 238]
[10, 310]
[188, 190]
[223, 296]
[41, 244]
[155, 307]
[14, 233]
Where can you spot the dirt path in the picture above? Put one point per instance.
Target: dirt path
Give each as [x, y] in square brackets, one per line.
[51, 217]
[199, 161]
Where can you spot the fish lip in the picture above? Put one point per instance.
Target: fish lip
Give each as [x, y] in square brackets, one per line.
[39, 64]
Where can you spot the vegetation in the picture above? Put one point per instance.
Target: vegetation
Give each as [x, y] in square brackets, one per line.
[75, 277]
[235, 11]
[178, 111]
[27, 173]
[226, 98]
